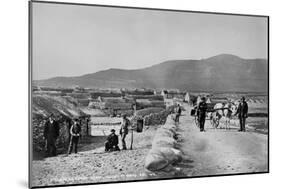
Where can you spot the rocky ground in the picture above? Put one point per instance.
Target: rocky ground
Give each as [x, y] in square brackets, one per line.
[92, 164]
[216, 151]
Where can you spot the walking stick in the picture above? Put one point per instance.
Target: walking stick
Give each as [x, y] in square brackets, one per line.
[132, 139]
[132, 134]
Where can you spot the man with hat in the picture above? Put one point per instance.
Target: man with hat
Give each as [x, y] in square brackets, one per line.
[178, 113]
[74, 136]
[51, 133]
[201, 113]
[242, 112]
[124, 131]
[111, 143]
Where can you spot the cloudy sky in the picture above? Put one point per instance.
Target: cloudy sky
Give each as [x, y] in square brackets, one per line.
[72, 40]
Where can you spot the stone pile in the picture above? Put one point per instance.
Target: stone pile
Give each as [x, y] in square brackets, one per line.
[164, 151]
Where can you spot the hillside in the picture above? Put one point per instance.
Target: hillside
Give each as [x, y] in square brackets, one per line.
[219, 73]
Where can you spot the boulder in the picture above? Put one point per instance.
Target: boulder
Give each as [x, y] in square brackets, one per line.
[158, 159]
[163, 152]
[169, 127]
[163, 141]
[165, 132]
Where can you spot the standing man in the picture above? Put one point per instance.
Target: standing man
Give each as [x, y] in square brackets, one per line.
[51, 133]
[242, 112]
[74, 136]
[201, 113]
[124, 131]
[178, 113]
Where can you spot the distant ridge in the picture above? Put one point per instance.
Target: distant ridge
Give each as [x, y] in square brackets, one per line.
[223, 72]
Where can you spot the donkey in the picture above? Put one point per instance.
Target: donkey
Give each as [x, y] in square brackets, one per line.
[229, 111]
[225, 111]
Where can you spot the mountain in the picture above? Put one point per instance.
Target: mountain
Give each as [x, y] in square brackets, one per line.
[223, 72]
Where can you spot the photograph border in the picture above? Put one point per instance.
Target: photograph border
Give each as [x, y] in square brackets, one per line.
[30, 64]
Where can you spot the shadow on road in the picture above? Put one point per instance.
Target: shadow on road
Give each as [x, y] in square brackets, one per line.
[91, 142]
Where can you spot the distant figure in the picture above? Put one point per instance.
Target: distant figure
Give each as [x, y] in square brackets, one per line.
[74, 136]
[111, 143]
[124, 131]
[51, 133]
[201, 113]
[242, 112]
[178, 113]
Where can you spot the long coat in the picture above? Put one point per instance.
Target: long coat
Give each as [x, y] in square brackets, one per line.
[51, 130]
[242, 110]
[201, 109]
[112, 140]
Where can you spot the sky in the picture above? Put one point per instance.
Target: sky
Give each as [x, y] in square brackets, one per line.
[73, 40]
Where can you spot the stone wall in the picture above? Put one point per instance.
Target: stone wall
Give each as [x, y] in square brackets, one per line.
[39, 143]
[65, 123]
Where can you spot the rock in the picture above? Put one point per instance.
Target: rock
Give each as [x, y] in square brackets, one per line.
[155, 161]
[163, 141]
[163, 152]
[158, 159]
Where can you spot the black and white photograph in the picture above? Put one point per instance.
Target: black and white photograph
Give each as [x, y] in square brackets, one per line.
[122, 94]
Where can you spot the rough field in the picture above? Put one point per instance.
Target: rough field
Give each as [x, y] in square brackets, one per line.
[258, 117]
[92, 164]
[216, 151]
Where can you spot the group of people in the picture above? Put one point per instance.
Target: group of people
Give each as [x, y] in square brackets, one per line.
[242, 112]
[111, 143]
[52, 132]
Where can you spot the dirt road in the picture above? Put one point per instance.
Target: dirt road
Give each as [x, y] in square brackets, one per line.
[216, 151]
[220, 151]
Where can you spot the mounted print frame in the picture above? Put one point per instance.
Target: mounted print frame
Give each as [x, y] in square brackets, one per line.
[123, 94]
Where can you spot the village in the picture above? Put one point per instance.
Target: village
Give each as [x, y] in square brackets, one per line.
[122, 94]
[101, 110]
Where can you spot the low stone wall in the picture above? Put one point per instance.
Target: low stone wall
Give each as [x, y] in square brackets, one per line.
[152, 116]
[37, 134]
[156, 118]
[39, 143]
